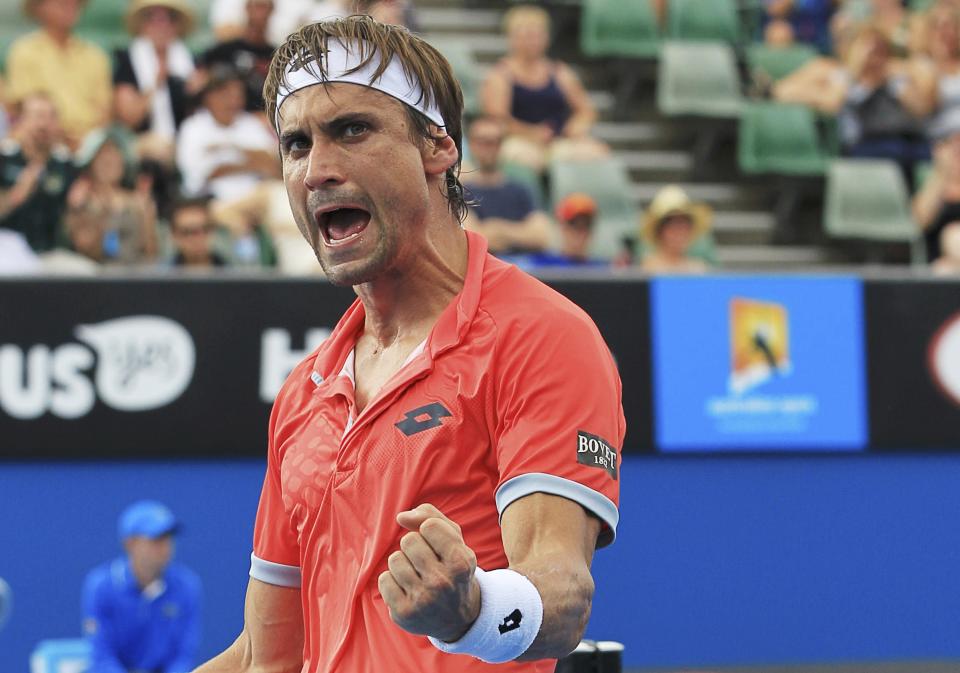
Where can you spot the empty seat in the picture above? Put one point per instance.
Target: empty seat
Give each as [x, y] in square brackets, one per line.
[465, 69]
[778, 138]
[867, 199]
[703, 20]
[620, 29]
[777, 62]
[698, 78]
[607, 181]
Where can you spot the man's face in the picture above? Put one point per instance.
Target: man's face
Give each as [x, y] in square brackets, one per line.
[576, 235]
[226, 101]
[159, 26]
[151, 554]
[39, 121]
[258, 12]
[191, 233]
[355, 179]
[485, 140]
[59, 14]
[676, 234]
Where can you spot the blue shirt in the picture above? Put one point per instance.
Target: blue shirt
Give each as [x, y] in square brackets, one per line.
[156, 629]
[509, 201]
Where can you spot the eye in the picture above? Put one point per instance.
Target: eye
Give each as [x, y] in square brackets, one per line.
[354, 129]
[296, 143]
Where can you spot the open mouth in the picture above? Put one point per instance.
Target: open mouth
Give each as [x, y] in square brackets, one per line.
[342, 225]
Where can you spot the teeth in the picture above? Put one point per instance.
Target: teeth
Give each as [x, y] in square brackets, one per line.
[341, 241]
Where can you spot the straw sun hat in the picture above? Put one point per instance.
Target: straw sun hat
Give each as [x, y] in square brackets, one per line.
[670, 201]
[180, 8]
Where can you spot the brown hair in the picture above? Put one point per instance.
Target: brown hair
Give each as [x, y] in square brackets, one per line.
[421, 62]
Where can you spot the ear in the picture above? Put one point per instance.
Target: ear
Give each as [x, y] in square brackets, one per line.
[439, 155]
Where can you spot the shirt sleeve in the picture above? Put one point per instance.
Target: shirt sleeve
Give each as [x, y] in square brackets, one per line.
[98, 627]
[276, 548]
[560, 424]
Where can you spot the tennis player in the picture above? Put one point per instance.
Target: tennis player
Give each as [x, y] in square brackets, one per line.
[441, 470]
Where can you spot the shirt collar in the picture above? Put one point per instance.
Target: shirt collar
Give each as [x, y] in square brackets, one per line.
[336, 353]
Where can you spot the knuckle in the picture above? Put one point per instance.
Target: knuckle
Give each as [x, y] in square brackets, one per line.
[409, 540]
[395, 558]
[432, 526]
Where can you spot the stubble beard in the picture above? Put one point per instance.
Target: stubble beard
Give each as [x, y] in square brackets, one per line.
[364, 270]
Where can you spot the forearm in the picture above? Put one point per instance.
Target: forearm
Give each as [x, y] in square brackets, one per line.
[567, 594]
[927, 203]
[238, 658]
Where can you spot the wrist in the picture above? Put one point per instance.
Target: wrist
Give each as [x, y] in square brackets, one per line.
[470, 610]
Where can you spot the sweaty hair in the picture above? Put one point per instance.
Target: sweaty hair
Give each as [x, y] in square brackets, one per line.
[421, 62]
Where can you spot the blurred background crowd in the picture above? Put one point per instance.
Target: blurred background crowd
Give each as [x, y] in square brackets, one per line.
[666, 135]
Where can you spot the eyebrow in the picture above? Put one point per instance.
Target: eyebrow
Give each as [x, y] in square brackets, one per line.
[332, 125]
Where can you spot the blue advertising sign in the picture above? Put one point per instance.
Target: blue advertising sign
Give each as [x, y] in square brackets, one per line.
[758, 364]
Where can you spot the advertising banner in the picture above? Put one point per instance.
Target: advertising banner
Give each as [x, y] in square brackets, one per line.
[913, 361]
[168, 368]
[758, 363]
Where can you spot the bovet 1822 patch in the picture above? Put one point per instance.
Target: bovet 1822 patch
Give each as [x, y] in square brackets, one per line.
[596, 452]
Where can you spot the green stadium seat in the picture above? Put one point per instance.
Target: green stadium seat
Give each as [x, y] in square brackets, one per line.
[608, 182]
[698, 78]
[706, 20]
[103, 22]
[465, 68]
[778, 138]
[868, 199]
[620, 29]
[921, 5]
[776, 63]
[13, 24]
[527, 177]
[921, 171]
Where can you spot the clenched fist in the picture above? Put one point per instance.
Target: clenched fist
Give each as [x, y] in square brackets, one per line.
[430, 586]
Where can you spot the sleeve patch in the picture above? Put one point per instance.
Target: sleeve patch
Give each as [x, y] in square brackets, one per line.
[595, 451]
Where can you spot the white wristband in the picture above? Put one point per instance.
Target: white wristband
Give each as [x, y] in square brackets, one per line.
[511, 612]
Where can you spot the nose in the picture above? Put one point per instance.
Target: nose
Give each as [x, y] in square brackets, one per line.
[324, 169]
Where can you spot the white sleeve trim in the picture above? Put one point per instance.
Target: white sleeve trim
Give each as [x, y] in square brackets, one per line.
[274, 573]
[538, 482]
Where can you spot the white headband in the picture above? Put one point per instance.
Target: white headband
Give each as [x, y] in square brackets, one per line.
[340, 59]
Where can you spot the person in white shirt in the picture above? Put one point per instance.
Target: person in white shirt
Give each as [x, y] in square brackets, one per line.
[223, 150]
[226, 16]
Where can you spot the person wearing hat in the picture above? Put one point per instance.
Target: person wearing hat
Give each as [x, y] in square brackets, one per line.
[222, 150]
[576, 214]
[141, 612]
[73, 72]
[670, 226]
[126, 218]
[151, 75]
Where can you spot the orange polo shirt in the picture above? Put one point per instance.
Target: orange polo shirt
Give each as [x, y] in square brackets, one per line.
[514, 392]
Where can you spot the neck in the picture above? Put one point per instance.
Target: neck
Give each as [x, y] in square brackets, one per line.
[404, 305]
[60, 36]
[255, 35]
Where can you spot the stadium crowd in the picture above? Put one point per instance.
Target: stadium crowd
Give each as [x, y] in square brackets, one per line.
[158, 154]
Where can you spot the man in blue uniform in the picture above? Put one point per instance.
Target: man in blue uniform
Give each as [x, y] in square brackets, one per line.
[140, 611]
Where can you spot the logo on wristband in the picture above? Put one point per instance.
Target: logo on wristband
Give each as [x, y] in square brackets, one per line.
[511, 622]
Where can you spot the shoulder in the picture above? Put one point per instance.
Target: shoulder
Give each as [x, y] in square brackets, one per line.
[524, 309]
[186, 579]
[25, 44]
[9, 148]
[99, 579]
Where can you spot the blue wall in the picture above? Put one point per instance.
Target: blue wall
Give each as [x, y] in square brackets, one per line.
[718, 560]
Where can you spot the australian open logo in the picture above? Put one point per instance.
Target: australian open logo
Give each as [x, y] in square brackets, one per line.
[596, 452]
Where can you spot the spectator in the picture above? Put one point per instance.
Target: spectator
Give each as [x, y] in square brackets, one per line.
[890, 17]
[546, 108]
[948, 264]
[885, 103]
[502, 210]
[943, 54]
[249, 54]
[141, 611]
[226, 17]
[36, 170]
[75, 74]
[191, 227]
[576, 214]
[151, 75]
[938, 202]
[222, 149]
[805, 21]
[127, 218]
[396, 12]
[671, 225]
